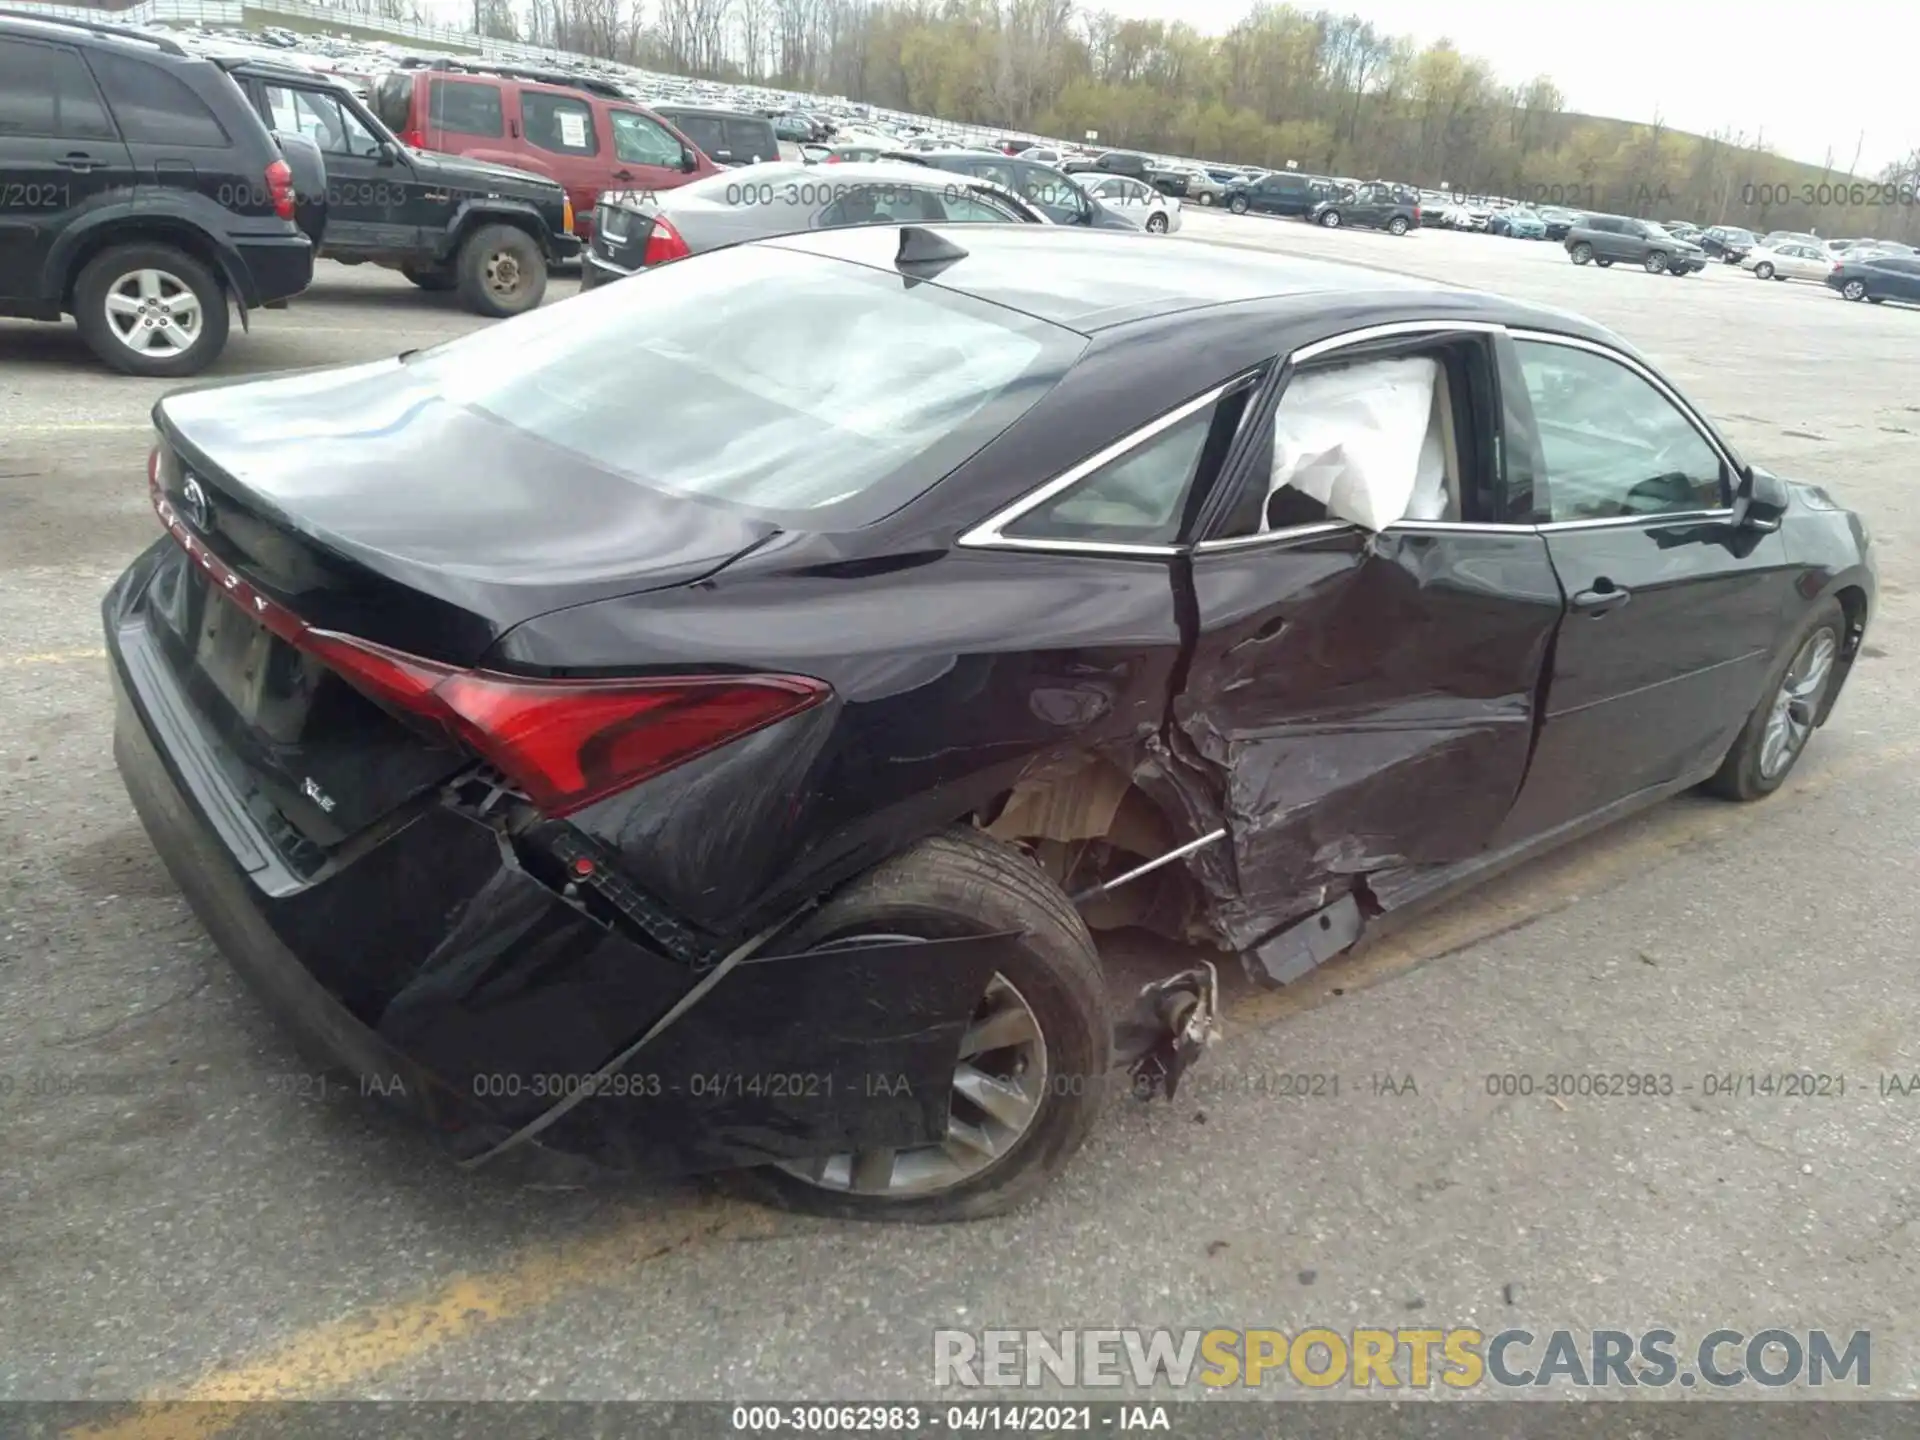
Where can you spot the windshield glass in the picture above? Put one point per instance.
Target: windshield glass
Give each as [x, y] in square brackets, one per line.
[786, 383]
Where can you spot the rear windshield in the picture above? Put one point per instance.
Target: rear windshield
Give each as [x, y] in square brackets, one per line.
[819, 393]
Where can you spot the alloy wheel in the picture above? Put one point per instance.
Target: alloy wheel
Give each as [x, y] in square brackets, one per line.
[999, 1086]
[153, 312]
[1855, 290]
[1790, 720]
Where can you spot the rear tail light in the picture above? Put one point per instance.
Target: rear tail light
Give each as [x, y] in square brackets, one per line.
[566, 213]
[280, 188]
[664, 243]
[415, 139]
[568, 743]
[563, 743]
[833, 160]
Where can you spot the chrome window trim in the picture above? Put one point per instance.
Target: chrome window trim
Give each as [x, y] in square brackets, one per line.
[1292, 532]
[1621, 522]
[987, 534]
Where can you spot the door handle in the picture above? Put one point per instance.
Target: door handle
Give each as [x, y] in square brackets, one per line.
[1604, 596]
[79, 161]
[623, 174]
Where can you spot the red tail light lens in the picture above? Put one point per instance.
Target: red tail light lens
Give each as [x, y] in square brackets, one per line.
[415, 139]
[568, 743]
[664, 243]
[280, 187]
[833, 160]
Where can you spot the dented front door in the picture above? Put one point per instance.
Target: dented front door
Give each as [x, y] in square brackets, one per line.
[1362, 702]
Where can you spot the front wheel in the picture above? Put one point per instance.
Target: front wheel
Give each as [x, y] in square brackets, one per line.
[502, 272]
[1763, 271]
[1854, 290]
[149, 309]
[1397, 225]
[1777, 731]
[1031, 1069]
[1331, 219]
[1581, 253]
[1238, 205]
[1206, 199]
[1656, 263]
[1157, 224]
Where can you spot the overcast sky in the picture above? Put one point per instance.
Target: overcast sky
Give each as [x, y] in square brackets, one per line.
[1788, 72]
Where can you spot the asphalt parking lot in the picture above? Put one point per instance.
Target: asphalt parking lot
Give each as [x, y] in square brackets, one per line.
[183, 1213]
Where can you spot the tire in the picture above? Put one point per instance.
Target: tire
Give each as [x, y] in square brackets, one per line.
[1763, 271]
[1397, 225]
[1331, 219]
[1581, 253]
[1855, 290]
[501, 272]
[435, 281]
[959, 883]
[1238, 205]
[1206, 198]
[1656, 262]
[1157, 224]
[179, 284]
[1744, 774]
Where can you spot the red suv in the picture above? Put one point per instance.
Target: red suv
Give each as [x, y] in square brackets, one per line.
[584, 133]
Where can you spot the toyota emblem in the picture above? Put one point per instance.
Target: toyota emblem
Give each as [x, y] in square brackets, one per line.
[195, 501]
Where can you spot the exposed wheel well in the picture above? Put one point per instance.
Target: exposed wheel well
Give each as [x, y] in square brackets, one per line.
[181, 236]
[479, 220]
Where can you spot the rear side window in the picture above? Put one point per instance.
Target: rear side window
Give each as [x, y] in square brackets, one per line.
[751, 140]
[45, 91]
[1135, 499]
[820, 392]
[152, 106]
[558, 123]
[466, 108]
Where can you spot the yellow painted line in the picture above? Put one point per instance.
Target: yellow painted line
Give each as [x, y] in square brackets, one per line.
[52, 657]
[330, 1357]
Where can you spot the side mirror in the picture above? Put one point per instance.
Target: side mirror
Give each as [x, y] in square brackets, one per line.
[389, 153]
[690, 162]
[1760, 502]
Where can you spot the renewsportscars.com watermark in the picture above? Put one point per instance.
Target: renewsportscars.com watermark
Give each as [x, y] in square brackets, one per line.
[1361, 1358]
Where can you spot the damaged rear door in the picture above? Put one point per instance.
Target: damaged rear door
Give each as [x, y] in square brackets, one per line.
[1368, 648]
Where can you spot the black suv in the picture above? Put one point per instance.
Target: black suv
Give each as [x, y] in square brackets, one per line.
[443, 221]
[138, 193]
[1380, 205]
[1603, 239]
[1113, 162]
[1284, 192]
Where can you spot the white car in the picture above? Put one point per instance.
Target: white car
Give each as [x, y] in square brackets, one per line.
[1790, 261]
[1135, 200]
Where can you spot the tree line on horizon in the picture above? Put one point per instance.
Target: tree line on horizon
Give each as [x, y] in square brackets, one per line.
[1330, 93]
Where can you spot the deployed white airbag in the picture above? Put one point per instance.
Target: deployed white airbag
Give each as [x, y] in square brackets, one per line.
[1361, 440]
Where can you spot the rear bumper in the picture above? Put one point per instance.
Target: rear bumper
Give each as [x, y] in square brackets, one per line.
[595, 271]
[274, 268]
[433, 966]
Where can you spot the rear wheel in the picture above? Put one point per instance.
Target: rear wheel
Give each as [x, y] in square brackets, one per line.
[1157, 224]
[501, 272]
[1031, 1071]
[1603, 264]
[1763, 271]
[1238, 205]
[1331, 219]
[1581, 253]
[1397, 225]
[149, 309]
[1205, 198]
[1777, 731]
[1854, 290]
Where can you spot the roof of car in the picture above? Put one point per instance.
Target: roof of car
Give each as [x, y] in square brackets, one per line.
[1091, 280]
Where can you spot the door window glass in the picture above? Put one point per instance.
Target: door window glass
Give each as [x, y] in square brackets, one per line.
[323, 119]
[640, 141]
[558, 123]
[1133, 500]
[466, 108]
[152, 106]
[45, 91]
[1613, 444]
[976, 210]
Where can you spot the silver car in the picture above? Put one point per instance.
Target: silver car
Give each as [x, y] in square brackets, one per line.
[1134, 200]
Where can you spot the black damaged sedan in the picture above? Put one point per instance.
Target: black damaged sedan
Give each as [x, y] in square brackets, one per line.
[697, 726]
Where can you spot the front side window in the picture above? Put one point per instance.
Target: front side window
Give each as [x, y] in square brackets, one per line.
[45, 91]
[153, 107]
[558, 123]
[640, 141]
[1612, 444]
[1135, 499]
[820, 393]
[322, 118]
[466, 108]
